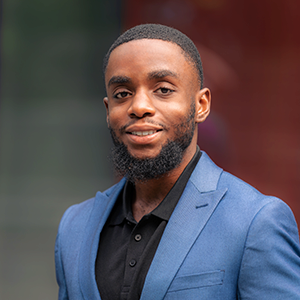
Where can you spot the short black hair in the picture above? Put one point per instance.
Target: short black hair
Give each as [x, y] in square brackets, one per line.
[160, 32]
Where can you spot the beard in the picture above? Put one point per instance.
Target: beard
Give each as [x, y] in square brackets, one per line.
[170, 156]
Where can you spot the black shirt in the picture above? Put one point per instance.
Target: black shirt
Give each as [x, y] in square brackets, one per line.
[126, 248]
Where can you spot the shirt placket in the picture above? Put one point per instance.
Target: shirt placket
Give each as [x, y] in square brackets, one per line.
[135, 249]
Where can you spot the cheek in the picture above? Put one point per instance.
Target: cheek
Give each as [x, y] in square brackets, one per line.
[176, 113]
[114, 116]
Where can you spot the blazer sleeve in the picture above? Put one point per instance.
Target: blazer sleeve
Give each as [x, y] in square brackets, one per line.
[60, 274]
[270, 267]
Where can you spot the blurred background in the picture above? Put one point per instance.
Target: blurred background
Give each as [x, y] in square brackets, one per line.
[54, 143]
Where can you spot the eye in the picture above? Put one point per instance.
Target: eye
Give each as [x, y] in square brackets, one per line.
[121, 95]
[165, 91]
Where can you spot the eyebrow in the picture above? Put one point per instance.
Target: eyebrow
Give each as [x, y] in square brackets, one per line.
[152, 75]
[161, 74]
[119, 80]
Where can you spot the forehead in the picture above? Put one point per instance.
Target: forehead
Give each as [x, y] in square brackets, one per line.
[148, 55]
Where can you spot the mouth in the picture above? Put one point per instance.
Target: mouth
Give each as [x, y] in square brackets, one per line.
[143, 133]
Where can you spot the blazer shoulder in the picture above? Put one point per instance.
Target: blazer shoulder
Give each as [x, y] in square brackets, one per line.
[239, 194]
[75, 216]
[78, 214]
[243, 199]
[237, 184]
[243, 190]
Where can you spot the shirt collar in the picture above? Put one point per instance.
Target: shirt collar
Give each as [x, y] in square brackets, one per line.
[165, 209]
[123, 209]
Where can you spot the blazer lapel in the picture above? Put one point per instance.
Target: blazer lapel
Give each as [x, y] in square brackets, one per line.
[192, 212]
[102, 207]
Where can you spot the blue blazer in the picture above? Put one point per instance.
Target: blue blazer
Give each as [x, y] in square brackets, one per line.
[224, 240]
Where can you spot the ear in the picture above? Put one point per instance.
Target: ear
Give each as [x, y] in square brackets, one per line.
[202, 105]
[105, 101]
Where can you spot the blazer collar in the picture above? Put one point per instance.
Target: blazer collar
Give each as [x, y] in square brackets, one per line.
[103, 205]
[196, 205]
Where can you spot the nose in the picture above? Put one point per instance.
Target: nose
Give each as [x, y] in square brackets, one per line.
[141, 106]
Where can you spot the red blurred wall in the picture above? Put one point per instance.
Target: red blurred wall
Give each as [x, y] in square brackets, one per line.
[251, 57]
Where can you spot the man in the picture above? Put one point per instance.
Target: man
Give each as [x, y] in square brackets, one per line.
[176, 226]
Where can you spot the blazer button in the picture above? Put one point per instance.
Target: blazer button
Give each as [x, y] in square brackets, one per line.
[138, 237]
[132, 263]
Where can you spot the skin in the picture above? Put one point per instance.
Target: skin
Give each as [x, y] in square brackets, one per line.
[150, 88]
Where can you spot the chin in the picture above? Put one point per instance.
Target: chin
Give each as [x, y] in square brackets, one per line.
[144, 153]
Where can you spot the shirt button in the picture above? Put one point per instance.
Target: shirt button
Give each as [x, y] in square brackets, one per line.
[138, 237]
[132, 263]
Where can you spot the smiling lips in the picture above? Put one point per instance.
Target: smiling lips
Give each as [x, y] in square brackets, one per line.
[143, 133]
[144, 130]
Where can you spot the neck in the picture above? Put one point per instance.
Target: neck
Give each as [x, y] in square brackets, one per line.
[151, 193]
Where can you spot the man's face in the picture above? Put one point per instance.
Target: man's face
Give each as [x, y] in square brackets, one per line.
[151, 88]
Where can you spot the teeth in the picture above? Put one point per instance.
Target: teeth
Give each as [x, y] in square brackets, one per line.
[143, 133]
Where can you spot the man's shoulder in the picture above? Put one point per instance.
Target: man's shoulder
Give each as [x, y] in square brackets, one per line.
[239, 193]
[242, 198]
[242, 189]
[247, 207]
[79, 213]
[233, 182]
